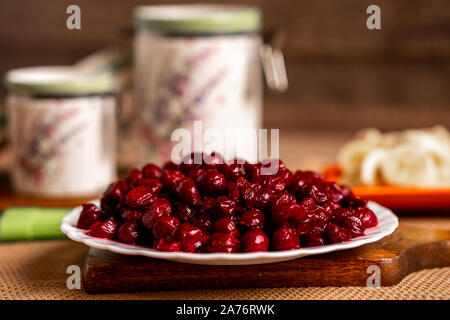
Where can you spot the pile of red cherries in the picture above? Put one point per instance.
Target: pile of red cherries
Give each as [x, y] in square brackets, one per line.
[226, 207]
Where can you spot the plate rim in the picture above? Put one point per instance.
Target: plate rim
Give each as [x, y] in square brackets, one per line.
[72, 232]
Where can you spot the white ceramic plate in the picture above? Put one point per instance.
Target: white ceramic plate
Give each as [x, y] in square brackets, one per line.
[387, 223]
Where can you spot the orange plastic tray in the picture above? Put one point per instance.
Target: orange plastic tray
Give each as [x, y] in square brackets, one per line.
[399, 198]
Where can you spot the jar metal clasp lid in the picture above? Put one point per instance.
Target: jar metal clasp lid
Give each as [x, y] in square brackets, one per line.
[272, 60]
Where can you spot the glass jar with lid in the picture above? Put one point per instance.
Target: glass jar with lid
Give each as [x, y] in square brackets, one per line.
[62, 129]
[196, 63]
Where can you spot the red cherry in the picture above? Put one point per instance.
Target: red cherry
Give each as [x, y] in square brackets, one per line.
[281, 199]
[132, 176]
[187, 192]
[170, 165]
[151, 171]
[195, 173]
[304, 228]
[335, 234]
[285, 238]
[89, 214]
[314, 239]
[274, 183]
[165, 226]
[129, 232]
[128, 214]
[252, 172]
[190, 237]
[104, 229]
[289, 214]
[222, 242]
[311, 191]
[161, 207]
[233, 171]
[183, 212]
[203, 221]
[114, 194]
[264, 198]
[252, 219]
[367, 217]
[140, 197]
[254, 240]
[153, 184]
[170, 178]
[168, 245]
[226, 206]
[247, 193]
[212, 182]
[354, 225]
[226, 225]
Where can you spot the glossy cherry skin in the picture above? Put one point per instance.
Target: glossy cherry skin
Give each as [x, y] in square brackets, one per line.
[104, 229]
[315, 239]
[336, 234]
[289, 214]
[252, 172]
[354, 225]
[264, 198]
[285, 238]
[170, 165]
[154, 184]
[274, 183]
[140, 197]
[226, 225]
[190, 237]
[311, 191]
[222, 242]
[226, 206]
[165, 226]
[203, 221]
[115, 193]
[89, 214]
[367, 217]
[168, 245]
[183, 212]
[170, 178]
[282, 199]
[233, 171]
[187, 192]
[132, 176]
[254, 240]
[301, 178]
[128, 214]
[212, 182]
[252, 219]
[195, 173]
[129, 232]
[247, 193]
[151, 171]
[304, 227]
[161, 207]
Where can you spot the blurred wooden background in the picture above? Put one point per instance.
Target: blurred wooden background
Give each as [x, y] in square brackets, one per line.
[342, 75]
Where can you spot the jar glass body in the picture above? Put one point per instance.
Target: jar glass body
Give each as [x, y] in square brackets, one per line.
[62, 146]
[180, 79]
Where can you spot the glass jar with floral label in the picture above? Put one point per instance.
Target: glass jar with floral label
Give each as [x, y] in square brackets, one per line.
[62, 129]
[196, 64]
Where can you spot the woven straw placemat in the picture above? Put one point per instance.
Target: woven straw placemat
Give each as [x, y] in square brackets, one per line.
[37, 270]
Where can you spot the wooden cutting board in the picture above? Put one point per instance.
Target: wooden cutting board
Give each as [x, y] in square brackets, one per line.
[406, 250]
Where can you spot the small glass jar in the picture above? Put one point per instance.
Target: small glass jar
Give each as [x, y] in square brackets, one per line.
[62, 129]
[196, 62]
